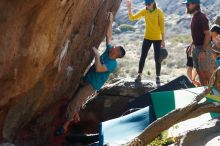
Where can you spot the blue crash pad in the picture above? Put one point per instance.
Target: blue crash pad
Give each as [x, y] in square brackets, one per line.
[123, 129]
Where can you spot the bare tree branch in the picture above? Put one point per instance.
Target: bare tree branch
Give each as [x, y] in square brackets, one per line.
[203, 108]
[190, 111]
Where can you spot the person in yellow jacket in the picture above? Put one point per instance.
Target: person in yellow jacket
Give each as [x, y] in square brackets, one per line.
[154, 33]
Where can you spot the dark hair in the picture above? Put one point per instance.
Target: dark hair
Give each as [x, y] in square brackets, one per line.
[155, 5]
[197, 8]
[123, 52]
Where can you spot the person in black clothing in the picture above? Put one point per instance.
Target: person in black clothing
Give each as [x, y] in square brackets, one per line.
[154, 34]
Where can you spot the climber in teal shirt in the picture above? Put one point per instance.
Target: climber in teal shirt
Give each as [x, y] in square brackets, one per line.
[97, 79]
[94, 79]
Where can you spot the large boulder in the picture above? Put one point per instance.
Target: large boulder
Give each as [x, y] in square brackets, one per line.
[205, 135]
[45, 48]
[112, 102]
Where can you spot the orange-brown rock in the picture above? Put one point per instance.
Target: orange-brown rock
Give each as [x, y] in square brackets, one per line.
[44, 50]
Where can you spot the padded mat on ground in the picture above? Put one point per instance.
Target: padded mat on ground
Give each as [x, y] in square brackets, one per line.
[120, 130]
[214, 96]
[166, 101]
[181, 82]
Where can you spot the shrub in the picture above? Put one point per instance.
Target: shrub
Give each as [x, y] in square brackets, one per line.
[126, 27]
[162, 140]
[186, 39]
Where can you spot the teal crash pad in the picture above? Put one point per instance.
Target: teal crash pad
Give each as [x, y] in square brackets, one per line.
[121, 130]
[166, 101]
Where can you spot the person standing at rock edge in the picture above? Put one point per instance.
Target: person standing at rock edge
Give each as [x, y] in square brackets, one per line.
[154, 34]
[215, 36]
[94, 79]
[201, 40]
[215, 33]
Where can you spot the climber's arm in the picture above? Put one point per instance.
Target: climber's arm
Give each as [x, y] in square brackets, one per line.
[109, 31]
[98, 65]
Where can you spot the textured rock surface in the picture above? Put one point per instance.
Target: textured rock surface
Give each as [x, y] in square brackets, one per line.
[205, 135]
[45, 48]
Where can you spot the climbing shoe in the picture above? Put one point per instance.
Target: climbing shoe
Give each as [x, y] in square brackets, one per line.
[60, 131]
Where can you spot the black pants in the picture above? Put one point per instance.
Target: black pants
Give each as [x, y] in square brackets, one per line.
[145, 48]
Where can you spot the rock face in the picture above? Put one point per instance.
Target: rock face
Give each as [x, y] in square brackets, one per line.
[45, 48]
[206, 135]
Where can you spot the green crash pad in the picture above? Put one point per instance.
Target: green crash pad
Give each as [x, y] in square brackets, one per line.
[214, 97]
[166, 101]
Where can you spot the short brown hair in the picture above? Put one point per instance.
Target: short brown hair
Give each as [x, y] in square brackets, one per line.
[155, 5]
[123, 52]
[198, 8]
